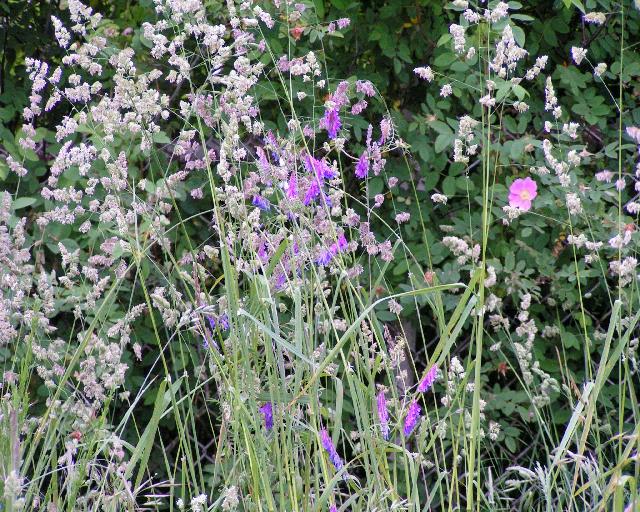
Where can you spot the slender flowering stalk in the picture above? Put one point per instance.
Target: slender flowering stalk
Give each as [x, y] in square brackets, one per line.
[412, 418]
[267, 411]
[327, 444]
[428, 380]
[383, 415]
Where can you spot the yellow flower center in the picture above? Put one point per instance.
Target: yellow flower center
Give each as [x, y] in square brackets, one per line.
[524, 195]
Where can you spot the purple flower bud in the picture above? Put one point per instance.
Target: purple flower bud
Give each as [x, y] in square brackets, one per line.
[263, 163]
[333, 508]
[280, 281]
[412, 418]
[365, 87]
[324, 258]
[342, 242]
[332, 122]
[292, 189]
[327, 444]
[261, 202]
[362, 167]
[223, 321]
[383, 415]
[267, 411]
[428, 380]
[263, 254]
[312, 192]
[319, 168]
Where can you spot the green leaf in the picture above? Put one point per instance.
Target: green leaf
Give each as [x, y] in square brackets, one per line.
[443, 141]
[340, 4]
[23, 202]
[143, 448]
[449, 186]
[319, 4]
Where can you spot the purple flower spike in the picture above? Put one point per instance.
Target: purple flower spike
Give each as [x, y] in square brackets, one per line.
[331, 122]
[362, 167]
[292, 188]
[319, 168]
[261, 202]
[267, 411]
[412, 418]
[428, 380]
[327, 444]
[324, 258]
[212, 322]
[223, 320]
[342, 242]
[383, 415]
[312, 192]
[333, 508]
[263, 163]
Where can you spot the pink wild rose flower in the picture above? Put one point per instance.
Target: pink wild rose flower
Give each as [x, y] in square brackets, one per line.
[522, 192]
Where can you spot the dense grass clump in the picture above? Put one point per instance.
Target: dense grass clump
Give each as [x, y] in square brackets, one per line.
[233, 276]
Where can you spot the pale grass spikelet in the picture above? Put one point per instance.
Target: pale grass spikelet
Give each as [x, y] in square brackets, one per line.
[459, 39]
[231, 500]
[499, 12]
[446, 90]
[425, 73]
[439, 198]
[600, 69]
[625, 270]
[471, 16]
[574, 205]
[521, 107]
[551, 102]
[199, 503]
[16, 167]
[578, 54]
[596, 18]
